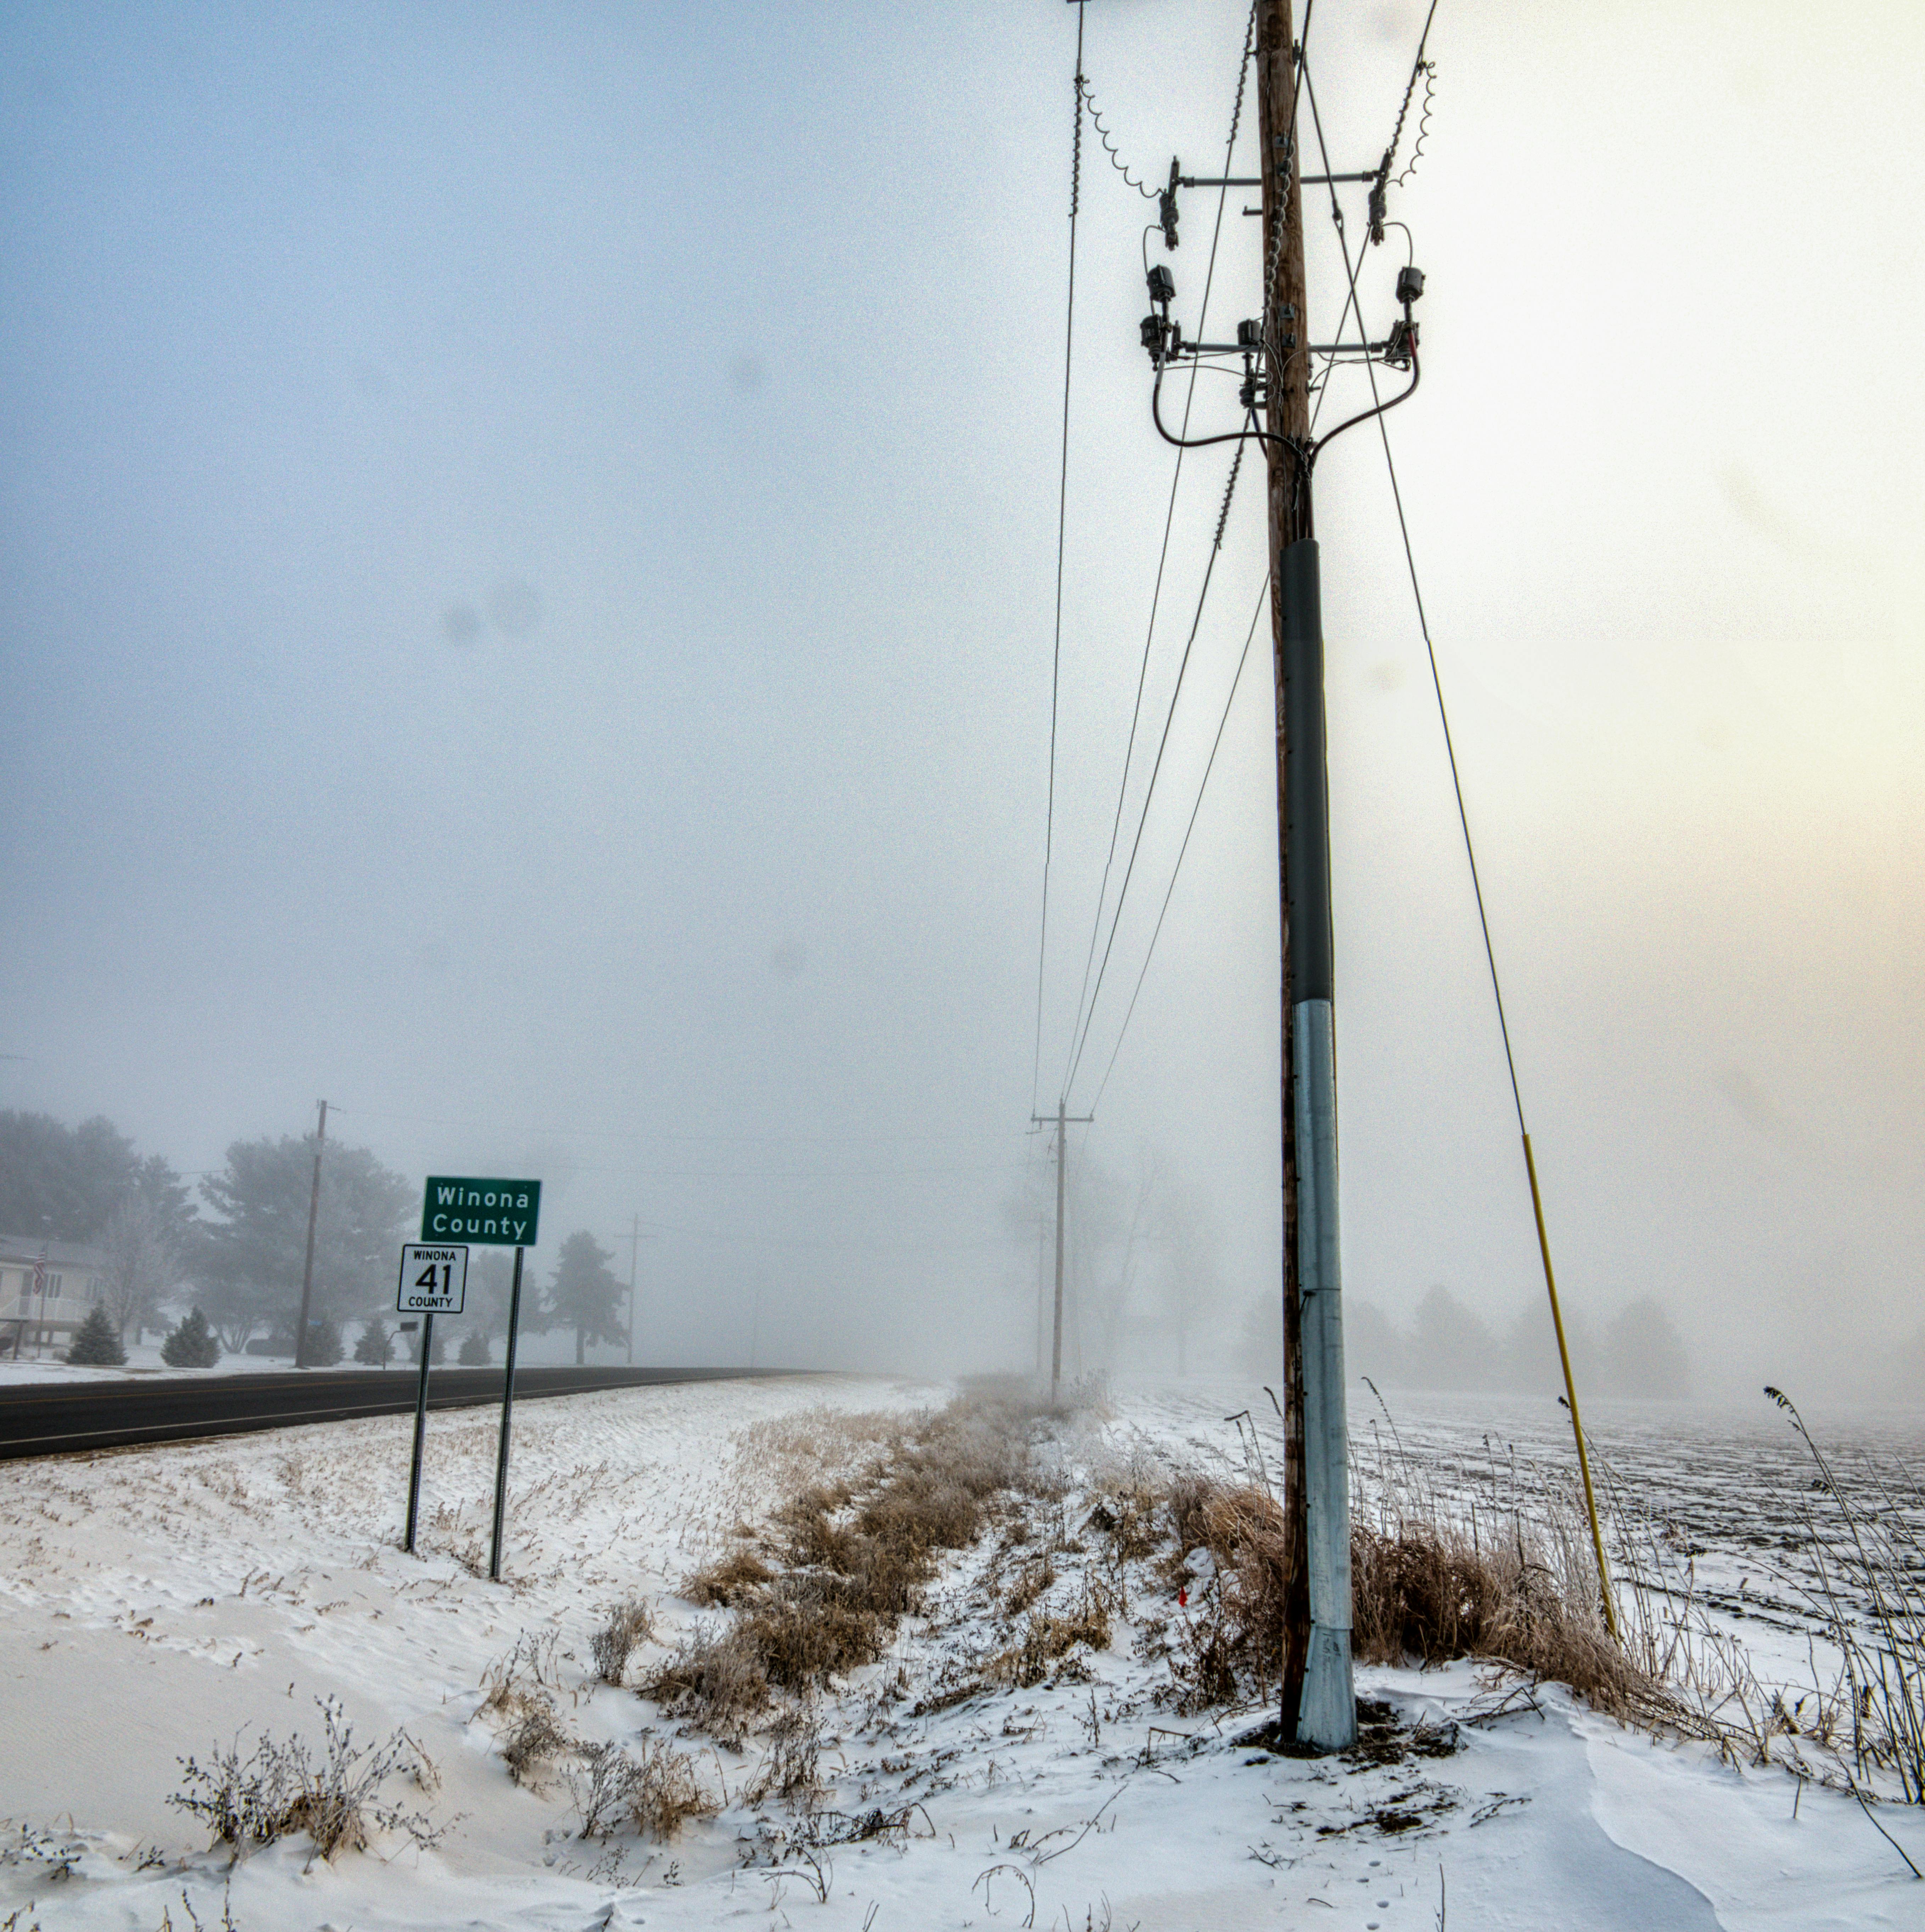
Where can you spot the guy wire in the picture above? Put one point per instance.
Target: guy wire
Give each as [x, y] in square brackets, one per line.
[1423, 626]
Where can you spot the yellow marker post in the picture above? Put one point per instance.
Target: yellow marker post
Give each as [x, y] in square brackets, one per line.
[1571, 1393]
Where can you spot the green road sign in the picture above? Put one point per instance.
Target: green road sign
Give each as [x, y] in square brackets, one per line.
[487, 1214]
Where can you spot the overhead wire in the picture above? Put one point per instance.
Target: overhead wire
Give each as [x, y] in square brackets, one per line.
[1109, 146]
[1062, 527]
[1263, 597]
[1249, 431]
[1155, 770]
[1428, 71]
[1163, 555]
[1352, 303]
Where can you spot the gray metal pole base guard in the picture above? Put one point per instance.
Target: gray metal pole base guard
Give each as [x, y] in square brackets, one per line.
[1327, 1717]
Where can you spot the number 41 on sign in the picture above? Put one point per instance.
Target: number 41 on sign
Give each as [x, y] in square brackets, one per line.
[434, 1280]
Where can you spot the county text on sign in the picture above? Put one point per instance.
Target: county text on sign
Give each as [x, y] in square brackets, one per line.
[491, 1213]
[434, 1280]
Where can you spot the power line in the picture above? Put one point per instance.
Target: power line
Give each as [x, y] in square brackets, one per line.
[1170, 718]
[1262, 598]
[539, 1132]
[1429, 70]
[990, 1244]
[1169, 521]
[1062, 525]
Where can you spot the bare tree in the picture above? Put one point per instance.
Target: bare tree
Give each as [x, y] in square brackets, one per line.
[143, 1262]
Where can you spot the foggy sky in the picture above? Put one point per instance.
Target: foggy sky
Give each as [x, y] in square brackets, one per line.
[526, 608]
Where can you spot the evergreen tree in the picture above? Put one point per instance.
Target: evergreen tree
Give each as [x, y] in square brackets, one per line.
[585, 1294]
[474, 1353]
[324, 1347]
[490, 1280]
[1451, 1348]
[191, 1343]
[1645, 1355]
[97, 1343]
[61, 1181]
[376, 1345]
[248, 1264]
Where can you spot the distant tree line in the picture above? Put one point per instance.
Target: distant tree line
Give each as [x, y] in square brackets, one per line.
[1446, 1345]
[240, 1263]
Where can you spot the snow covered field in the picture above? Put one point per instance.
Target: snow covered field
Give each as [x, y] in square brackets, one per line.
[154, 1603]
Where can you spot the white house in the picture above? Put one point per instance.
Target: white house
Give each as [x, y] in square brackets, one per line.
[45, 1289]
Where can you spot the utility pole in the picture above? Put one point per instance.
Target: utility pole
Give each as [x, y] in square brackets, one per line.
[635, 1258]
[307, 1268]
[1319, 1703]
[1062, 1120]
[636, 1238]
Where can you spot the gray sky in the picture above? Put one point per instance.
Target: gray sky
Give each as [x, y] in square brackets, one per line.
[526, 607]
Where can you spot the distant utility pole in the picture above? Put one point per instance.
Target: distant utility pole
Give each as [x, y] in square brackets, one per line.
[635, 1237]
[1061, 1121]
[307, 1268]
[1319, 1701]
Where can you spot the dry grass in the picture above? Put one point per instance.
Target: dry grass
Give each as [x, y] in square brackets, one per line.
[1231, 1642]
[532, 1741]
[715, 1680]
[1427, 1587]
[1867, 1592]
[334, 1796]
[790, 1769]
[1437, 1593]
[657, 1792]
[1046, 1638]
[517, 1697]
[667, 1791]
[856, 1547]
[629, 1624]
[726, 1581]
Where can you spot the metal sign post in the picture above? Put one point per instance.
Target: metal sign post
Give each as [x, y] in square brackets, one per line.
[434, 1281]
[507, 1412]
[494, 1214]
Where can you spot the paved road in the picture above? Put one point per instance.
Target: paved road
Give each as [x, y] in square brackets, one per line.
[41, 1419]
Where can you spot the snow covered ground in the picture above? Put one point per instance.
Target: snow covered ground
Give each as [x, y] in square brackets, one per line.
[156, 1602]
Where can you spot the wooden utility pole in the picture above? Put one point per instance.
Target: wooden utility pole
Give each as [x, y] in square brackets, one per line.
[1318, 1703]
[307, 1268]
[1060, 1120]
[635, 1258]
[636, 1238]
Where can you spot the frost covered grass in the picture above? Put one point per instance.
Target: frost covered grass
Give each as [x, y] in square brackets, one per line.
[1499, 1541]
[1869, 1588]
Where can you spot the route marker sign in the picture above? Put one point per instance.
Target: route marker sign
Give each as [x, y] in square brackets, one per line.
[456, 1209]
[434, 1280]
[491, 1213]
